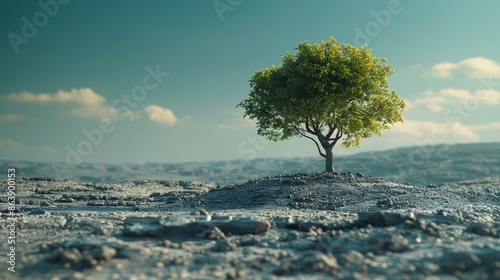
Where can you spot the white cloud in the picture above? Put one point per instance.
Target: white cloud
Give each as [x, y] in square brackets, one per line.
[436, 101]
[89, 104]
[449, 132]
[249, 122]
[131, 115]
[476, 67]
[416, 133]
[12, 118]
[490, 126]
[435, 108]
[10, 145]
[443, 70]
[160, 115]
[430, 100]
[238, 123]
[488, 96]
[85, 96]
[484, 96]
[94, 112]
[456, 93]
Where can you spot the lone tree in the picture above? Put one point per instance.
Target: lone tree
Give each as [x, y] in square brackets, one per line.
[325, 92]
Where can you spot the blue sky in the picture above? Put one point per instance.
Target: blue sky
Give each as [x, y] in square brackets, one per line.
[158, 81]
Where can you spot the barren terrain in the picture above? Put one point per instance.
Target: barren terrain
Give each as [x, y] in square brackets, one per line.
[302, 226]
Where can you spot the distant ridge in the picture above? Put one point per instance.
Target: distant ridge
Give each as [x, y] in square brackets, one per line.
[418, 165]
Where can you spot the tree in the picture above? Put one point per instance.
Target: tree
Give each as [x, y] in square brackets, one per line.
[325, 92]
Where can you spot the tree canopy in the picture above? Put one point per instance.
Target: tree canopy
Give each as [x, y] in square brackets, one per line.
[324, 92]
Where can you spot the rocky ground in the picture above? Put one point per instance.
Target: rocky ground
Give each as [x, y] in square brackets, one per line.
[303, 226]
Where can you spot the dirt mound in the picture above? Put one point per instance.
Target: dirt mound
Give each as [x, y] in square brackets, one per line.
[345, 192]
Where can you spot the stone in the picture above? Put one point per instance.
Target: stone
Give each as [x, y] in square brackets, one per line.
[155, 227]
[66, 199]
[72, 256]
[383, 218]
[484, 229]
[89, 261]
[39, 212]
[103, 253]
[224, 245]
[201, 212]
[385, 203]
[242, 226]
[329, 260]
[44, 204]
[250, 240]
[215, 234]
[101, 231]
[350, 257]
[461, 261]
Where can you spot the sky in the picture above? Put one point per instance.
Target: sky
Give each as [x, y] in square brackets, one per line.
[158, 81]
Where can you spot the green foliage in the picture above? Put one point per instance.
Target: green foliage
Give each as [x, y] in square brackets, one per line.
[324, 87]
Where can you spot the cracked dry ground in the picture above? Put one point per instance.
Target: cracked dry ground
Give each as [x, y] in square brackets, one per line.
[303, 226]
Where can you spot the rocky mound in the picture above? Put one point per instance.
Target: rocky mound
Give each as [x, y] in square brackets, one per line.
[348, 192]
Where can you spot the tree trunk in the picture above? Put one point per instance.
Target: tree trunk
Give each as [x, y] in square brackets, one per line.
[329, 161]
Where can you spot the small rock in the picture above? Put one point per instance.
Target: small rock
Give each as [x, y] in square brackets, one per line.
[329, 260]
[134, 253]
[201, 212]
[76, 276]
[224, 245]
[39, 212]
[101, 231]
[461, 261]
[319, 262]
[350, 257]
[44, 204]
[89, 261]
[484, 229]
[421, 224]
[292, 235]
[250, 240]
[244, 226]
[215, 234]
[71, 256]
[103, 253]
[383, 218]
[303, 244]
[385, 203]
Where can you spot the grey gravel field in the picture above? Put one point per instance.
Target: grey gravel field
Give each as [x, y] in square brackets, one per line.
[301, 226]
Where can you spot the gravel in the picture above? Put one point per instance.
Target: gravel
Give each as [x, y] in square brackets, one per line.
[314, 226]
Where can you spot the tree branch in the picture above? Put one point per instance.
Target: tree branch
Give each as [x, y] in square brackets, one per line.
[330, 132]
[309, 128]
[322, 140]
[337, 138]
[317, 145]
[317, 132]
